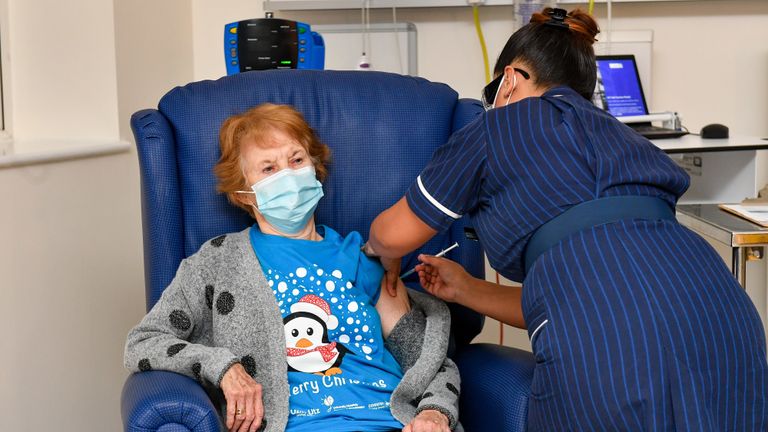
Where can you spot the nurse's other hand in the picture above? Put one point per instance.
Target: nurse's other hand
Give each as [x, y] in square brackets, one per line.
[428, 421]
[245, 408]
[442, 277]
[391, 275]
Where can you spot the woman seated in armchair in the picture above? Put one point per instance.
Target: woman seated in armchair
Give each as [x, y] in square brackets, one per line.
[287, 318]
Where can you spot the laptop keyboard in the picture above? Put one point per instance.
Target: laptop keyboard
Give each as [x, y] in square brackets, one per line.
[655, 132]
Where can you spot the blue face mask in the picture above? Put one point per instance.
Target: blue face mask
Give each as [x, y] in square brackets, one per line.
[288, 199]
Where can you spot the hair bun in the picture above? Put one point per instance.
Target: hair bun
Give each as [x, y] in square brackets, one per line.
[579, 22]
[582, 23]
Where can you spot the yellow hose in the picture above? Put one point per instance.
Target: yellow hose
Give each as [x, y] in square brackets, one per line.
[476, 14]
[591, 6]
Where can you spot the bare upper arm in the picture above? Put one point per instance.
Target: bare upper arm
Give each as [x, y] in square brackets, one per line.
[398, 231]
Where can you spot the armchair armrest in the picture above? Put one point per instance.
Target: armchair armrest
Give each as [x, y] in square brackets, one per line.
[495, 385]
[166, 401]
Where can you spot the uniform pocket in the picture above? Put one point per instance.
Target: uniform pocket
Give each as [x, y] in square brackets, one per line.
[535, 333]
[543, 373]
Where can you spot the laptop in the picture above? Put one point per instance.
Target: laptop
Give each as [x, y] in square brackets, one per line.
[620, 92]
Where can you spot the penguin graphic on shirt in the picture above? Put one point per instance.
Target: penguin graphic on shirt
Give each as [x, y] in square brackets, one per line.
[308, 348]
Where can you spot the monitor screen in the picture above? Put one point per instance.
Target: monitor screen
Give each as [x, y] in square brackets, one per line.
[618, 86]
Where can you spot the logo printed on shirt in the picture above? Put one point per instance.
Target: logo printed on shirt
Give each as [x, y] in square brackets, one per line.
[308, 348]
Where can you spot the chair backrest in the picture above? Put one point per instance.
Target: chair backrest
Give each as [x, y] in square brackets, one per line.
[382, 130]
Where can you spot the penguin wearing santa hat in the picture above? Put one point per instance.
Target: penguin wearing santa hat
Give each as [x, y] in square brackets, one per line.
[306, 337]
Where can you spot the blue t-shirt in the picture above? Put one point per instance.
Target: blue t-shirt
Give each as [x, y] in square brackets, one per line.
[340, 375]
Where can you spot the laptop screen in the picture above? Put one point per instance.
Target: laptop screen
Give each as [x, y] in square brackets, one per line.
[618, 86]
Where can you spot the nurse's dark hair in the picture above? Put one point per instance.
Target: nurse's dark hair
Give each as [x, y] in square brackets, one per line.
[555, 55]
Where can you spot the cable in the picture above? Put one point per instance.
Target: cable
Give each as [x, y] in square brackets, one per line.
[591, 7]
[610, 27]
[479, 29]
[368, 25]
[365, 13]
[362, 25]
[397, 37]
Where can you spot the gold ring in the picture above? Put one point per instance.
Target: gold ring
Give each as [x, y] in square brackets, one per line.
[239, 411]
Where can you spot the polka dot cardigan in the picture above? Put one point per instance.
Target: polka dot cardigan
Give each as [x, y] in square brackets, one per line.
[219, 310]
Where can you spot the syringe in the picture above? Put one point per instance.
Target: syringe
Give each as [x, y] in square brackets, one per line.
[439, 254]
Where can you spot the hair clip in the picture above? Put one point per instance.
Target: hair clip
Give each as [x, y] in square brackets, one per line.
[557, 18]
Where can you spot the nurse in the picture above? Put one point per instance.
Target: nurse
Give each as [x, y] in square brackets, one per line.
[634, 321]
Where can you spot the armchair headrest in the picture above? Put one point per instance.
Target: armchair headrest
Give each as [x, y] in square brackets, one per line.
[382, 129]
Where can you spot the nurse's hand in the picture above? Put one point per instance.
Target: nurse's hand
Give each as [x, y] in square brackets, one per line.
[442, 277]
[392, 274]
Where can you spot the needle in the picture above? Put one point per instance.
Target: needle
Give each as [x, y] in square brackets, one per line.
[439, 254]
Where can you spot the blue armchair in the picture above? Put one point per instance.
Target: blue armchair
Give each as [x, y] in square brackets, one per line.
[382, 129]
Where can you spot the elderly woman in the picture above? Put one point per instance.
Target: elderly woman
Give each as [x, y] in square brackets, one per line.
[285, 319]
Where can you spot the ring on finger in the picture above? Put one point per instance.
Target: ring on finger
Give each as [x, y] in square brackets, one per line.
[239, 411]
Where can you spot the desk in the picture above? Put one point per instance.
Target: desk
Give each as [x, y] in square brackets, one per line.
[740, 243]
[696, 144]
[721, 170]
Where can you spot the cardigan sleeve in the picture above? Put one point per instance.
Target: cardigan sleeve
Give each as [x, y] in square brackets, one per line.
[442, 386]
[166, 338]
[442, 393]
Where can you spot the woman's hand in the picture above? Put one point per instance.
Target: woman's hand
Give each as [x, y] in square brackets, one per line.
[428, 421]
[245, 409]
[442, 277]
[392, 308]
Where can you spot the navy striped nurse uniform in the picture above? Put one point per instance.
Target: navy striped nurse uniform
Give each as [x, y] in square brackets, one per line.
[636, 324]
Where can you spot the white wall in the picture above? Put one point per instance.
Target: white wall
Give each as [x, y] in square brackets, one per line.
[72, 280]
[71, 265]
[62, 65]
[154, 53]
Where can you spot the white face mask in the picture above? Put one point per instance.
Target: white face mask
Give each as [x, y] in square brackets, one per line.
[514, 86]
[288, 198]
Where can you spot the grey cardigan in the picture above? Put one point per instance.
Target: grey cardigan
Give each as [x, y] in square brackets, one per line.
[219, 310]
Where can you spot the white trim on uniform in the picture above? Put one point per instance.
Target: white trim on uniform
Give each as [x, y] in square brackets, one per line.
[533, 335]
[434, 202]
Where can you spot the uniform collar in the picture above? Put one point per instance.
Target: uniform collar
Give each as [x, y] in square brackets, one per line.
[561, 91]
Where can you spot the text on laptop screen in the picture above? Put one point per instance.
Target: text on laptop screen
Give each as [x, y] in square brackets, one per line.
[623, 93]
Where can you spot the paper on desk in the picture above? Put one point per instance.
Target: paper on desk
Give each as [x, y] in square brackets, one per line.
[757, 214]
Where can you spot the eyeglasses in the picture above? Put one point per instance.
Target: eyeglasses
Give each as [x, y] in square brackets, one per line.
[490, 91]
